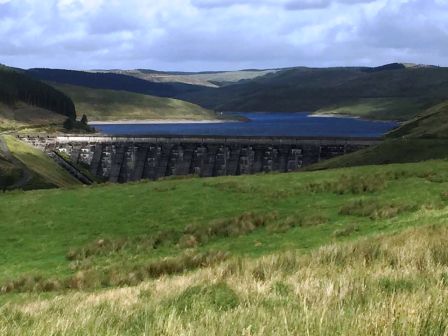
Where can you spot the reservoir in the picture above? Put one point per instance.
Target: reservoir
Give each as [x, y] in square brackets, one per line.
[269, 124]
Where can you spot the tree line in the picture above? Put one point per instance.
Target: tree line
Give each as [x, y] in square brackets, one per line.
[16, 86]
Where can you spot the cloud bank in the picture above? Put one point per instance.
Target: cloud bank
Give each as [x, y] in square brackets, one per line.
[195, 35]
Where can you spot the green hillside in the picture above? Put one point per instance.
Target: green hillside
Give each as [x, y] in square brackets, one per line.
[254, 250]
[433, 123]
[422, 138]
[25, 167]
[26, 103]
[298, 210]
[9, 173]
[111, 105]
[381, 93]
[21, 116]
[390, 151]
[390, 92]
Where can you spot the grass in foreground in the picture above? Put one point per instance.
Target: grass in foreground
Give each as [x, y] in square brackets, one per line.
[384, 285]
[359, 251]
[111, 105]
[116, 234]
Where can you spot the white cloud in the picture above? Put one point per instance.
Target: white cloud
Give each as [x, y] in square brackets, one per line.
[220, 34]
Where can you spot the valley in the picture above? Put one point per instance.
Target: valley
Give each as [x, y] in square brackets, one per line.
[348, 233]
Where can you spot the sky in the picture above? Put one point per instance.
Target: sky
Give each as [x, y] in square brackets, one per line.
[199, 35]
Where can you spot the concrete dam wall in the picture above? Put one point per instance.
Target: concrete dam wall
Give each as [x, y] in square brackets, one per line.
[123, 159]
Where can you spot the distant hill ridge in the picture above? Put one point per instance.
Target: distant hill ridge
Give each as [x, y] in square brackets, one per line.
[290, 89]
[111, 81]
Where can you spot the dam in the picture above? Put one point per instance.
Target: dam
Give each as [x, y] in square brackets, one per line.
[130, 158]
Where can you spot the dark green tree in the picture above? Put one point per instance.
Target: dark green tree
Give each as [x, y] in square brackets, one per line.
[17, 86]
[84, 120]
[69, 123]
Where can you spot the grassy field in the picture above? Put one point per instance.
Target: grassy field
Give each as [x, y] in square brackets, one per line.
[110, 105]
[280, 211]
[385, 285]
[291, 253]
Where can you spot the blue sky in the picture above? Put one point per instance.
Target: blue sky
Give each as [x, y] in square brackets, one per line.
[193, 35]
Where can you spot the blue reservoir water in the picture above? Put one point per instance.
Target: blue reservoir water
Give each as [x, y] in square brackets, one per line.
[298, 124]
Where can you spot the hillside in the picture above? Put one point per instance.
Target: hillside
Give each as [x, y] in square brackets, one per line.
[433, 123]
[300, 248]
[24, 116]
[392, 92]
[112, 81]
[111, 105]
[28, 103]
[25, 167]
[17, 87]
[422, 138]
[307, 89]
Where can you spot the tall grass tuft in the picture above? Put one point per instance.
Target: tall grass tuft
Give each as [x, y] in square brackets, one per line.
[116, 275]
[230, 227]
[218, 296]
[348, 184]
[374, 209]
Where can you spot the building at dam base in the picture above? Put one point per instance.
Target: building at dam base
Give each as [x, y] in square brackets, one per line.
[124, 159]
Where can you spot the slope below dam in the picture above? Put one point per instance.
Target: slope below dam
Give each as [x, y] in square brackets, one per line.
[124, 158]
